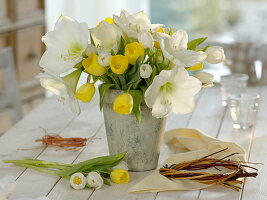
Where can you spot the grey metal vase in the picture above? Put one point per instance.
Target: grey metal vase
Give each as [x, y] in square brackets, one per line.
[141, 140]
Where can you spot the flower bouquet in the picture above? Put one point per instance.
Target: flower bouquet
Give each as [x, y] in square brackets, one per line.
[143, 70]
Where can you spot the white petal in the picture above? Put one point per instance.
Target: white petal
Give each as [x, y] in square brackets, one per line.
[205, 78]
[146, 39]
[95, 180]
[53, 84]
[183, 105]
[215, 54]
[189, 58]
[179, 40]
[145, 70]
[190, 87]
[139, 21]
[162, 107]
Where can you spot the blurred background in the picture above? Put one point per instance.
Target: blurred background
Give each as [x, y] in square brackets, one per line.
[240, 26]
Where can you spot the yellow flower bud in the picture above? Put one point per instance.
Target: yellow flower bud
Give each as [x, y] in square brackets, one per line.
[92, 66]
[108, 20]
[119, 176]
[133, 51]
[86, 92]
[123, 104]
[196, 67]
[118, 64]
[160, 30]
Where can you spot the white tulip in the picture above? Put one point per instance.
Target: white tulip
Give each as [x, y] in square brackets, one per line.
[103, 58]
[145, 70]
[172, 91]
[122, 165]
[174, 48]
[65, 45]
[207, 79]
[146, 39]
[78, 181]
[90, 49]
[106, 37]
[215, 54]
[95, 180]
[64, 87]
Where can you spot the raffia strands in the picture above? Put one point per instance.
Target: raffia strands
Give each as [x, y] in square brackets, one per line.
[187, 171]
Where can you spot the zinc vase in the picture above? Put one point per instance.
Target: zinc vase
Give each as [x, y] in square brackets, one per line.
[142, 140]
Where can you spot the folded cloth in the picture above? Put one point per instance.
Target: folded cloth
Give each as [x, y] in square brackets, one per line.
[191, 144]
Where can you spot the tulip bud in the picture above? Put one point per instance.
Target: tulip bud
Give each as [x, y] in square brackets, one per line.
[86, 92]
[118, 64]
[92, 66]
[145, 70]
[123, 104]
[146, 39]
[103, 58]
[215, 54]
[205, 78]
[95, 180]
[133, 51]
[77, 181]
[119, 176]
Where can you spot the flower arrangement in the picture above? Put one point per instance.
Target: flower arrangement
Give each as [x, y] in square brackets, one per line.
[149, 62]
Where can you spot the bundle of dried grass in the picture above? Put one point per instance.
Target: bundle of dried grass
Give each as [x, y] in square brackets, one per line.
[190, 171]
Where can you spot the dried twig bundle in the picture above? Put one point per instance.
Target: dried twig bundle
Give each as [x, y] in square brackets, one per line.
[188, 171]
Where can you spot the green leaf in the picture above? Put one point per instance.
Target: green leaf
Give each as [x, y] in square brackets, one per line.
[136, 76]
[78, 65]
[112, 52]
[143, 89]
[137, 99]
[205, 48]
[192, 45]
[121, 46]
[106, 181]
[103, 88]
[92, 40]
[171, 32]
[135, 85]
[122, 81]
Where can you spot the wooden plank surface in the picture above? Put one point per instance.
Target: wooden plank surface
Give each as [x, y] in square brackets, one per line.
[208, 116]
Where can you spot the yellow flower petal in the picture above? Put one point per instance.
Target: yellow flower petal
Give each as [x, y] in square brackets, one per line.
[133, 51]
[160, 30]
[108, 20]
[123, 104]
[119, 176]
[92, 66]
[118, 64]
[86, 92]
[196, 67]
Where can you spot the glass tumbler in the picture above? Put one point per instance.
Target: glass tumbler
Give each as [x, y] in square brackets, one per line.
[233, 84]
[243, 109]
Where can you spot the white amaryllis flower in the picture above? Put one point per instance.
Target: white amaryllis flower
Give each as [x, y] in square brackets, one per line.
[106, 37]
[205, 78]
[95, 180]
[174, 48]
[122, 165]
[145, 70]
[134, 24]
[65, 87]
[78, 181]
[65, 45]
[172, 90]
[215, 55]
[146, 39]
[103, 58]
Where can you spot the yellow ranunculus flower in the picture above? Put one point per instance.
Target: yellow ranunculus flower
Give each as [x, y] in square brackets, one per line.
[86, 92]
[123, 104]
[118, 64]
[108, 20]
[120, 176]
[196, 67]
[92, 66]
[133, 51]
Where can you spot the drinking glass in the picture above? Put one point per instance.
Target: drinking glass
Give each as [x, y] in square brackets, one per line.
[243, 109]
[233, 84]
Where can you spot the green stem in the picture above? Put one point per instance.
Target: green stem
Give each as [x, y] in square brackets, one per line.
[53, 172]
[129, 87]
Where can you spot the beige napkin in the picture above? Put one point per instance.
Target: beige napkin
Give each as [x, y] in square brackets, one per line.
[192, 144]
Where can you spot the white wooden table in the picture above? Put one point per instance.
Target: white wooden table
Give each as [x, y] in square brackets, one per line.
[209, 116]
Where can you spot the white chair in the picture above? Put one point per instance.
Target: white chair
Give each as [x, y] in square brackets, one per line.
[9, 97]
